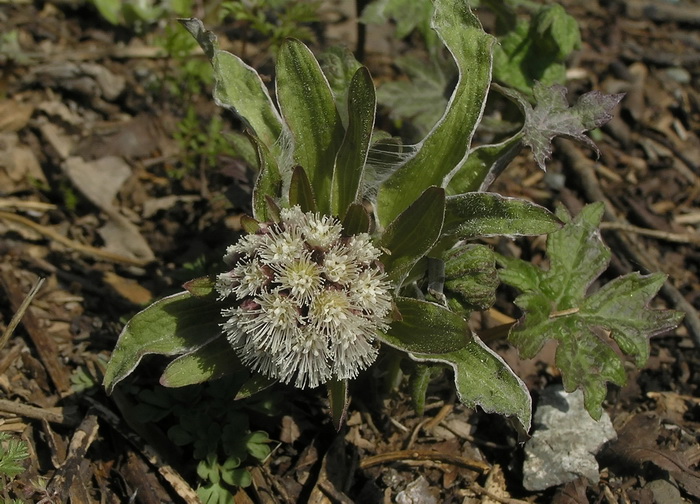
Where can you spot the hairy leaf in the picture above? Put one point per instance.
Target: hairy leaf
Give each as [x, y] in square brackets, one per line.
[426, 328]
[448, 142]
[552, 117]
[174, 325]
[213, 360]
[351, 158]
[489, 214]
[482, 378]
[307, 105]
[412, 234]
[484, 164]
[556, 306]
[238, 87]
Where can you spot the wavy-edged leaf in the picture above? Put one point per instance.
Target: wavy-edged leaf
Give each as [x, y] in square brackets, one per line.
[308, 108]
[448, 142]
[412, 234]
[350, 162]
[213, 360]
[238, 87]
[300, 191]
[483, 378]
[173, 325]
[489, 214]
[426, 328]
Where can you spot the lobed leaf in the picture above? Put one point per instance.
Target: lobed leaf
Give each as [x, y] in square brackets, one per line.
[556, 307]
[552, 116]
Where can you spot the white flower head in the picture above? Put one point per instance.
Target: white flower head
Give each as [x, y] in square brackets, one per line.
[306, 302]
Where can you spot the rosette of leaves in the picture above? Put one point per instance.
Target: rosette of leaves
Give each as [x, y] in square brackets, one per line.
[313, 156]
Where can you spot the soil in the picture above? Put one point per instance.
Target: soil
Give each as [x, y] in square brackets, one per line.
[106, 196]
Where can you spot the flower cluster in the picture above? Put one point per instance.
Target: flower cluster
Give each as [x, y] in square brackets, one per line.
[308, 301]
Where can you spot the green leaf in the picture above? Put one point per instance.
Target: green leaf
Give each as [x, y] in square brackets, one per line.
[483, 378]
[350, 162]
[356, 220]
[556, 306]
[238, 87]
[426, 328]
[213, 360]
[339, 66]
[256, 383]
[201, 287]
[421, 100]
[174, 325]
[489, 214]
[552, 117]
[483, 165]
[268, 184]
[258, 445]
[339, 401]
[535, 51]
[307, 105]
[412, 234]
[300, 191]
[408, 15]
[448, 142]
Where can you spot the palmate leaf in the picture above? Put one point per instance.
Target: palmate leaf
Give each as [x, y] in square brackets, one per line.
[556, 307]
[552, 116]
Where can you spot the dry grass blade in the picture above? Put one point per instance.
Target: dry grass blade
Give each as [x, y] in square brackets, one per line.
[10, 329]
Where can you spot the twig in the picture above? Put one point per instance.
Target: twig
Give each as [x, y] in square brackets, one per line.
[177, 483]
[434, 456]
[78, 247]
[503, 500]
[44, 344]
[63, 416]
[654, 233]
[83, 437]
[17, 317]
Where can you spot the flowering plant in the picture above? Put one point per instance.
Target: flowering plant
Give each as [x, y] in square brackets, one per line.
[357, 243]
